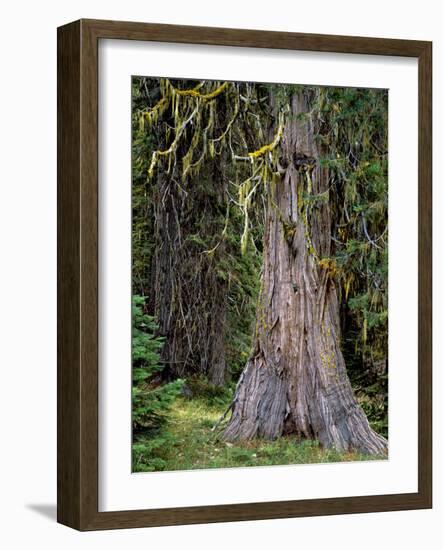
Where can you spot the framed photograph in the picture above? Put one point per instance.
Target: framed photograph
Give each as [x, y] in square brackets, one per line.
[244, 275]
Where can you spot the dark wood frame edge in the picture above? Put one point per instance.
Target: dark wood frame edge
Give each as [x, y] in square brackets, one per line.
[77, 318]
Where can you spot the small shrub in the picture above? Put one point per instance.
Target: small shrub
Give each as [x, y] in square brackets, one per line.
[197, 387]
[151, 400]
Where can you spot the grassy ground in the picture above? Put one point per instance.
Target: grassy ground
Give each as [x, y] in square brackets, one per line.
[192, 444]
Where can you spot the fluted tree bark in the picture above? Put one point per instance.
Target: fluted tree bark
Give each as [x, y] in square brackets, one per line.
[295, 381]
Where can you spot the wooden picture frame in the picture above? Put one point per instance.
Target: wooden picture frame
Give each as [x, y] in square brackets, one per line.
[78, 274]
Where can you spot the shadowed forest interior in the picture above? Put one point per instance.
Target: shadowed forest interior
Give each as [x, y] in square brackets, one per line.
[259, 274]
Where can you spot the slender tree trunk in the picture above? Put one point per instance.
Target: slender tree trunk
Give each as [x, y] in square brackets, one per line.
[295, 381]
[190, 299]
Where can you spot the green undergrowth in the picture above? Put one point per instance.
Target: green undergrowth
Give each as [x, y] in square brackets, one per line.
[193, 445]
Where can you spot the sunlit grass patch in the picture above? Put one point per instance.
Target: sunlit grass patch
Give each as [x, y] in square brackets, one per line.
[195, 445]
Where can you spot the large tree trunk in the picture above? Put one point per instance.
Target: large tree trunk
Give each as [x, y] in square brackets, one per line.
[189, 297]
[295, 381]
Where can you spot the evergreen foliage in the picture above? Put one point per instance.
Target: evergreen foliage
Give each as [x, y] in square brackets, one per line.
[354, 133]
[151, 401]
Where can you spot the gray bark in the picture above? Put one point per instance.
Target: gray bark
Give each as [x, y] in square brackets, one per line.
[190, 299]
[295, 381]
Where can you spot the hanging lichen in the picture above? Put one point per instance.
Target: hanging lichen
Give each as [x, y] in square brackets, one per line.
[271, 146]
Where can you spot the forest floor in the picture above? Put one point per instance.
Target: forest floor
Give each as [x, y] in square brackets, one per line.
[195, 445]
